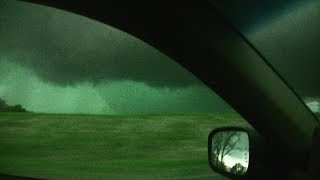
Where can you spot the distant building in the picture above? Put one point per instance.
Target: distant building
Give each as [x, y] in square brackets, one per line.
[313, 103]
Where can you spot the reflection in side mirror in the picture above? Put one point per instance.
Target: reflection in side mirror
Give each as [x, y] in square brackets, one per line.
[229, 151]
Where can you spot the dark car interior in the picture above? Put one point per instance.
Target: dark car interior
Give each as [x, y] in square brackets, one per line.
[209, 40]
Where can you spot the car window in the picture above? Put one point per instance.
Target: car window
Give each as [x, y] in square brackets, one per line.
[79, 98]
[286, 34]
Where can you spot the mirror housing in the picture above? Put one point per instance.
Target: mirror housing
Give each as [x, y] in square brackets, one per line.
[228, 151]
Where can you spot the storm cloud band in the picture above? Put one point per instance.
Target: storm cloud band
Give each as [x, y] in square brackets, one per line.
[65, 48]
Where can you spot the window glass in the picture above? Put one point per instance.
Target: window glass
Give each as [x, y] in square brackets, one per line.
[82, 99]
[286, 33]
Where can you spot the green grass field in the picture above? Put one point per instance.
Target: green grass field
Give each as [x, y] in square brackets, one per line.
[58, 146]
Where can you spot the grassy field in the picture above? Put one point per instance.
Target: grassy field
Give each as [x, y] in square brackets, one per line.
[58, 146]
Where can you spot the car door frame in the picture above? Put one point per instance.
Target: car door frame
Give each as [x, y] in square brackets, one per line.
[196, 36]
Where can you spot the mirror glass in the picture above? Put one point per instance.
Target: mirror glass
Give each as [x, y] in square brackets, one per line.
[230, 151]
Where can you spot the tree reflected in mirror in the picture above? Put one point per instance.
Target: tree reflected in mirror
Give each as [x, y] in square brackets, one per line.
[230, 151]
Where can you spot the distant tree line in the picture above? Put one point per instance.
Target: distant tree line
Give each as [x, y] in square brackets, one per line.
[4, 107]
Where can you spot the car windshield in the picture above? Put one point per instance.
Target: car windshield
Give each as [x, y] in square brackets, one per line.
[286, 34]
[79, 98]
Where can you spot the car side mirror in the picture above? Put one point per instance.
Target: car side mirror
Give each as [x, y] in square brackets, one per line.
[242, 153]
[228, 151]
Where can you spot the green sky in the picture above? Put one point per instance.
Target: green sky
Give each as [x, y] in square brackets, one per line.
[58, 62]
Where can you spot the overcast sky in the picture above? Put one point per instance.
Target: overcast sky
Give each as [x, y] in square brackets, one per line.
[58, 62]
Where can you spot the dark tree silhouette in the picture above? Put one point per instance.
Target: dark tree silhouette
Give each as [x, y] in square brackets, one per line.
[15, 108]
[223, 143]
[220, 165]
[3, 104]
[4, 107]
[238, 169]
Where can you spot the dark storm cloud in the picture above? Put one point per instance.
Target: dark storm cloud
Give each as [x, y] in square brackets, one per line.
[64, 48]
